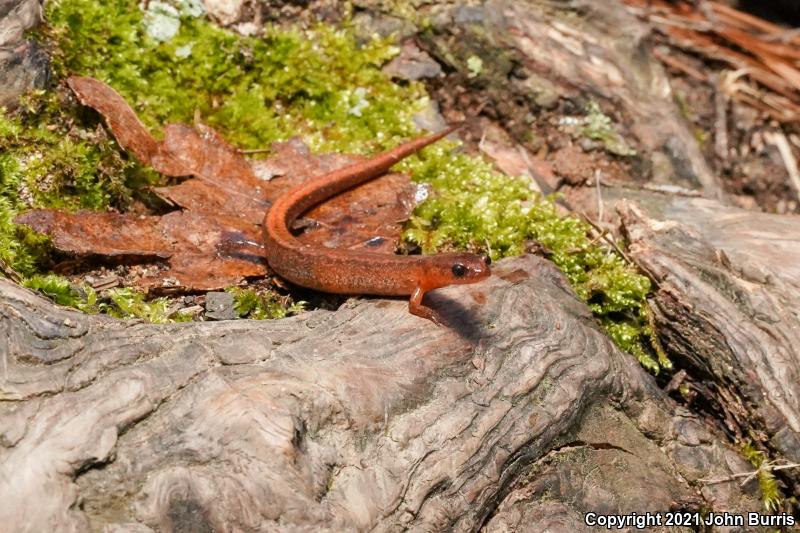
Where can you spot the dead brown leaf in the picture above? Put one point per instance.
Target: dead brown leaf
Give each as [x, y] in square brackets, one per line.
[214, 239]
[201, 252]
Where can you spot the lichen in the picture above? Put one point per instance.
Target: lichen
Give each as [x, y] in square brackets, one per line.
[598, 126]
[475, 66]
[321, 83]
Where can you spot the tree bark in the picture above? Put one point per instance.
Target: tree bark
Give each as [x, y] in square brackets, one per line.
[726, 307]
[538, 52]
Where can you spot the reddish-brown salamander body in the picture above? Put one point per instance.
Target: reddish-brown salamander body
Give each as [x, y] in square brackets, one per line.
[354, 272]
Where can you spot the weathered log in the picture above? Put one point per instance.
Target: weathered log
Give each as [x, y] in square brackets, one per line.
[364, 418]
[537, 52]
[727, 305]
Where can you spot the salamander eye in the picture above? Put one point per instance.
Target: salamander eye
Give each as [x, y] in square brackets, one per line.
[487, 260]
[459, 270]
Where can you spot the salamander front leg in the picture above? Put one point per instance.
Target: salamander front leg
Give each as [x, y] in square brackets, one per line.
[415, 307]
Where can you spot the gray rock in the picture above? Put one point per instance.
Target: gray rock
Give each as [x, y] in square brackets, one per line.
[368, 24]
[22, 67]
[23, 64]
[16, 16]
[220, 306]
[413, 64]
[469, 15]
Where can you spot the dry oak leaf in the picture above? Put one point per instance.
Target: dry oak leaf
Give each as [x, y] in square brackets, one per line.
[214, 240]
[190, 243]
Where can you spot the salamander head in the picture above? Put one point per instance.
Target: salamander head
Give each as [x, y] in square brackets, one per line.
[455, 269]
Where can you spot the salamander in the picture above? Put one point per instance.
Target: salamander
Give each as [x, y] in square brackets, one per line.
[341, 271]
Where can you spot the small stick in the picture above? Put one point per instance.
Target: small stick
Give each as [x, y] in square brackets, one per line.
[253, 150]
[721, 123]
[597, 177]
[677, 64]
[9, 272]
[749, 475]
[779, 140]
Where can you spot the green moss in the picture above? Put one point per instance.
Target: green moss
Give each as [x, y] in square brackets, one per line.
[21, 249]
[319, 82]
[630, 335]
[130, 303]
[120, 303]
[62, 292]
[771, 495]
[263, 305]
[47, 160]
[126, 303]
[475, 207]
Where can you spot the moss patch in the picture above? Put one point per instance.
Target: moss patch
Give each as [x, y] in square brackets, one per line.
[475, 207]
[771, 495]
[260, 305]
[63, 292]
[48, 160]
[120, 302]
[319, 83]
[130, 303]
